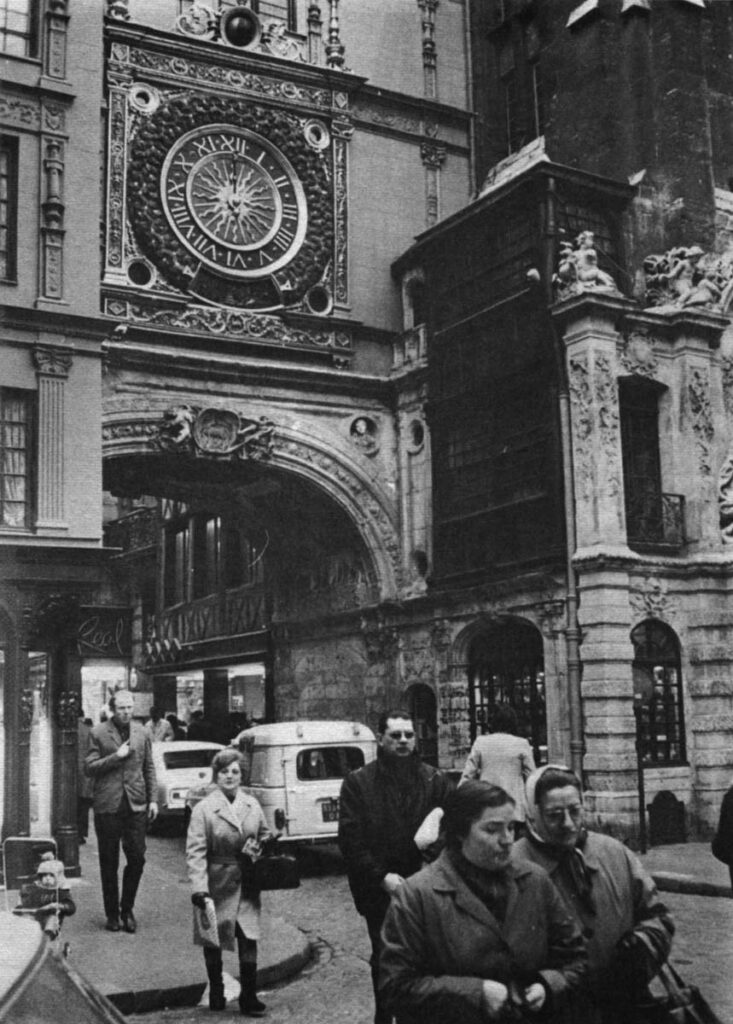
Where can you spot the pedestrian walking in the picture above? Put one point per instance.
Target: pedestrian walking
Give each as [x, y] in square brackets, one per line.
[722, 844]
[159, 729]
[503, 758]
[84, 785]
[199, 728]
[225, 825]
[476, 935]
[382, 805]
[606, 889]
[120, 764]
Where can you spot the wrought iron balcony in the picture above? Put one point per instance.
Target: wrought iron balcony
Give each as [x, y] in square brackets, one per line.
[134, 533]
[655, 520]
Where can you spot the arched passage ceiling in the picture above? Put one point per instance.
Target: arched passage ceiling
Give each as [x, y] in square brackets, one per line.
[315, 558]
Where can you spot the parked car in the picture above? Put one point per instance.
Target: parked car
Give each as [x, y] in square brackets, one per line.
[295, 769]
[179, 765]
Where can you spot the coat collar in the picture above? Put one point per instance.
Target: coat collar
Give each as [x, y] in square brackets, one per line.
[447, 879]
[231, 812]
[542, 855]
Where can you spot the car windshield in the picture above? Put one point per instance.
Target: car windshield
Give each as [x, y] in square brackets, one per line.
[328, 762]
[189, 758]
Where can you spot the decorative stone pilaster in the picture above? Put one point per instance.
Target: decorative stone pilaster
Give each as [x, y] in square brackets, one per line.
[315, 33]
[57, 23]
[433, 156]
[588, 325]
[429, 58]
[52, 221]
[52, 369]
[117, 131]
[342, 129]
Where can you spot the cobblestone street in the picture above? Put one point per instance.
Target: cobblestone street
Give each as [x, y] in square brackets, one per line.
[335, 988]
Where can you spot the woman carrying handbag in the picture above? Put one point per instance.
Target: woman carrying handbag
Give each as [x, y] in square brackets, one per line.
[224, 825]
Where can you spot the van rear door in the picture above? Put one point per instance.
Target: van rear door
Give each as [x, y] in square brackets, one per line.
[313, 777]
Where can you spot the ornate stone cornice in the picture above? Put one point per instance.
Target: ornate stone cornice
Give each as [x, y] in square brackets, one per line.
[52, 362]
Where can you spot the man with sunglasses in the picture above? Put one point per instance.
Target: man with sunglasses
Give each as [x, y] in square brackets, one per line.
[381, 808]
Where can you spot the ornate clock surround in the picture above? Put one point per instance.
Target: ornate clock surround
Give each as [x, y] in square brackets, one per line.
[180, 151]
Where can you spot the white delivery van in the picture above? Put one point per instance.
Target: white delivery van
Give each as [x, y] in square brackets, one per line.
[295, 769]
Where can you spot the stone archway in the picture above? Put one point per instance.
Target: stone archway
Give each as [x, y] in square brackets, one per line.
[149, 426]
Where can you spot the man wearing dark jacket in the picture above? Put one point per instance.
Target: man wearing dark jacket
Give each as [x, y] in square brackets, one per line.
[381, 808]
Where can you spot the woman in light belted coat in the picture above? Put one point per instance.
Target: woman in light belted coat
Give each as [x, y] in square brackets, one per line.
[223, 826]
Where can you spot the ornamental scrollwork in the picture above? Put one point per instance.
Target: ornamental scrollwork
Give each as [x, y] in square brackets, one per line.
[725, 499]
[52, 362]
[578, 270]
[608, 420]
[216, 433]
[650, 599]
[581, 399]
[686, 276]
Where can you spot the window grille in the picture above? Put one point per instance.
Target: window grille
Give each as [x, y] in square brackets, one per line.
[658, 679]
[15, 450]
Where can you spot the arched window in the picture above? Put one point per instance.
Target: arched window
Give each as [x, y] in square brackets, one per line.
[658, 681]
[506, 666]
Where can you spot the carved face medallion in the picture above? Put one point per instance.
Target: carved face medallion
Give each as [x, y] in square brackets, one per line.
[234, 201]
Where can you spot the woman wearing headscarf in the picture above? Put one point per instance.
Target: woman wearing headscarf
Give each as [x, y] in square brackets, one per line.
[604, 886]
[475, 936]
[225, 825]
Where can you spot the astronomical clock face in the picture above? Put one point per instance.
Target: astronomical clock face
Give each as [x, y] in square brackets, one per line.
[234, 201]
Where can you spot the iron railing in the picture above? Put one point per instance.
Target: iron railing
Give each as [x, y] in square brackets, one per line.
[135, 532]
[654, 519]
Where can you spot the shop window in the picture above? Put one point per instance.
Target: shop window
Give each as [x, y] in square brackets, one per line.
[19, 27]
[8, 209]
[658, 681]
[506, 666]
[15, 458]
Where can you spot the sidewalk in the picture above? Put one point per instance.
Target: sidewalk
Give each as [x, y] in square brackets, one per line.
[159, 965]
[688, 868]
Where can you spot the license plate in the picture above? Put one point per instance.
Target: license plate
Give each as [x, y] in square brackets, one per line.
[330, 810]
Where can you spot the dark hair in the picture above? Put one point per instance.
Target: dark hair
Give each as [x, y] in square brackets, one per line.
[222, 759]
[505, 719]
[392, 713]
[555, 778]
[466, 804]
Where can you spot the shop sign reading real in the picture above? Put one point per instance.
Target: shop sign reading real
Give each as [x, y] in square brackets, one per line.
[105, 633]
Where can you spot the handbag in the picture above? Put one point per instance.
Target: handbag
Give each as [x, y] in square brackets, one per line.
[672, 1001]
[277, 871]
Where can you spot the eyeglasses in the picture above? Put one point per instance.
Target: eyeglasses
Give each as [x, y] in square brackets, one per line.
[399, 733]
[557, 815]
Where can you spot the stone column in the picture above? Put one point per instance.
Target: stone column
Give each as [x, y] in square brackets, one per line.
[67, 682]
[52, 369]
[315, 32]
[52, 223]
[429, 56]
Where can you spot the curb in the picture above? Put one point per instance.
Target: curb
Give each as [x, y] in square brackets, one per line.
[190, 995]
[668, 881]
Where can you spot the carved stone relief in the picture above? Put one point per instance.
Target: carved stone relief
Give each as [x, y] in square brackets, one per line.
[701, 416]
[608, 421]
[649, 598]
[363, 433]
[581, 399]
[227, 78]
[67, 710]
[725, 498]
[53, 362]
[636, 354]
[687, 276]
[578, 269]
[217, 433]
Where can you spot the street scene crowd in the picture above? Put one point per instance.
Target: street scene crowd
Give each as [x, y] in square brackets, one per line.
[489, 900]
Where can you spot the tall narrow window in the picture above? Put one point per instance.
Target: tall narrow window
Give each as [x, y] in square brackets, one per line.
[15, 450]
[8, 208]
[18, 27]
[658, 681]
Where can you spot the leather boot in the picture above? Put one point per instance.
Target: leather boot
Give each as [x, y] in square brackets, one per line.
[249, 1004]
[217, 1000]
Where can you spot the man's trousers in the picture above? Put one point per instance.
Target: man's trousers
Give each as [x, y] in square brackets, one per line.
[126, 827]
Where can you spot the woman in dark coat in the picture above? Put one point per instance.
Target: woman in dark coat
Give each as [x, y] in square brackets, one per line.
[224, 825]
[475, 936]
